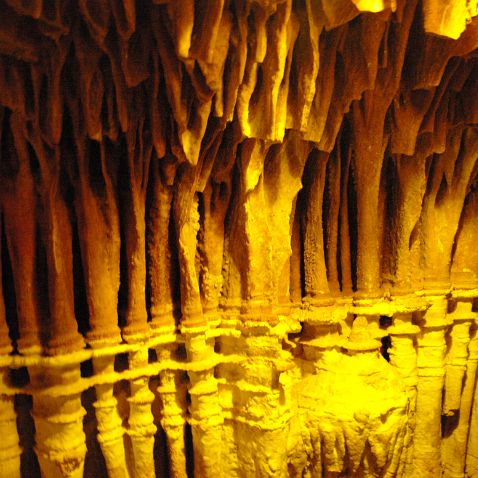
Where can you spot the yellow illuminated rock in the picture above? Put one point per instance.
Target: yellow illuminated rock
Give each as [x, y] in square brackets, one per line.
[238, 238]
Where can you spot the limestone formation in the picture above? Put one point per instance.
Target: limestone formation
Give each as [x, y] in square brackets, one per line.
[238, 238]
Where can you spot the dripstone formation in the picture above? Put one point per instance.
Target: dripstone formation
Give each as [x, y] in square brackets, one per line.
[239, 238]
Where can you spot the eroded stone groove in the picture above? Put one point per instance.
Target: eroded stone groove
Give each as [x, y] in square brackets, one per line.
[238, 238]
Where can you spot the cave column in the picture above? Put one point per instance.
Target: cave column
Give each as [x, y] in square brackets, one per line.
[431, 374]
[60, 439]
[362, 434]
[110, 427]
[403, 356]
[172, 393]
[141, 428]
[205, 411]
[161, 272]
[459, 386]
[257, 408]
[457, 356]
[58, 415]
[320, 337]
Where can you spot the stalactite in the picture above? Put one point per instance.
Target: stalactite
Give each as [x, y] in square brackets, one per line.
[56, 238]
[161, 260]
[248, 229]
[138, 158]
[315, 274]
[21, 228]
[98, 228]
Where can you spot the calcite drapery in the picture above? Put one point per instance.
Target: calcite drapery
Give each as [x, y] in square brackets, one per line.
[238, 238]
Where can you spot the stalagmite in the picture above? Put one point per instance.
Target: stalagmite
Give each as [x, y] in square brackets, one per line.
[60, 441]
[141, 428]
[459, 389]
[431, 372]
[110, 430]
[238, 238]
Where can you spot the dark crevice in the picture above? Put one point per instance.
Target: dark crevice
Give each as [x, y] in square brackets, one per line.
[189, 448]
[6, 276]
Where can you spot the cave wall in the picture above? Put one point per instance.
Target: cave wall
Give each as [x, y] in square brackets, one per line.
[238, 238]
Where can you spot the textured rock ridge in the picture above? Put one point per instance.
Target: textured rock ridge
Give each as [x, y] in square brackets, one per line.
[238, 238]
